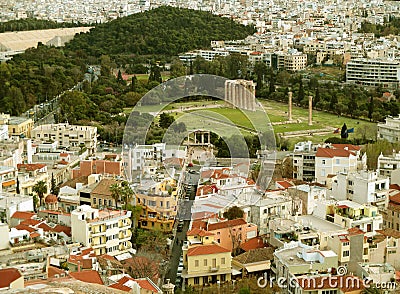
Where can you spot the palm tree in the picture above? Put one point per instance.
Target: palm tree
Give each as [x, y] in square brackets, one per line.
[116, 193]
[40, 188]
[121, 192]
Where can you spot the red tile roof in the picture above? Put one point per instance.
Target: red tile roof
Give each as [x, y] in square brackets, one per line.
[23, 215]
[198, 232]
[355, 231]
[8, 275]
[226, 224]
[349, 147]
[206, 189]
[331, 153]
[389, 232]
[284, 184]
[30, 222]
[199, 224]
[30, 166]
[52, 271]
[395, 198]
[88, 277]
[65, 229]
[26, 228]
[206, 249]
[253, 243]
[143, 283]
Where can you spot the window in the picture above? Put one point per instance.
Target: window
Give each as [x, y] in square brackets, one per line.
[346, 243]
[196, 263]
[223, 260]
[346, 253]
[94, 200]
[205, 280]
[337, 161]
[205, 262]
[196, 280]
[223, 278]
[323, 161]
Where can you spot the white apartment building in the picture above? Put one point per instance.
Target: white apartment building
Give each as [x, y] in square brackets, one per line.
[390, 130]
[387, 164]
[330, 161]
[106, 231]
[157, 152]
[68, 136]
[362, 187]
[295, 61]
[373, 72]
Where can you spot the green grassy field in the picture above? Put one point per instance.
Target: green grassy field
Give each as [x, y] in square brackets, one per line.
[187, 112]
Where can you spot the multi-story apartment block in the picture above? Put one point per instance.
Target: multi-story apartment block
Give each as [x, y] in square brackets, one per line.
[295, 61]
[157, 153]
[269, 208]
[304, 166]
[229, 234]
[390, 130]
[391, 215]
[330, 161]
[373, 72]
[296, 259]
[30, 174]
[204, 261]
[106, 231]
[361, 187]
[68, 136]
[159, 205]
[308, 195]
[349, 214]
[385, 247]
[387, 164]
[351, 248]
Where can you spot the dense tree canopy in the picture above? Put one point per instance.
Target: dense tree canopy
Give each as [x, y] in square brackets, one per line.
[162, 31]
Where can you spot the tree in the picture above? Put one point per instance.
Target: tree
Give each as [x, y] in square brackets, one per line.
[121, 192]
[40, 188]
[17, 189]
[177, 69]
[234, 212]
[165, 120]
[300, 93]
[54, 188]
[155, 74]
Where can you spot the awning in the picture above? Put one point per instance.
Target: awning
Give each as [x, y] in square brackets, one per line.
[8, 183]
[258, 267]
[342, 206]
[236, 271]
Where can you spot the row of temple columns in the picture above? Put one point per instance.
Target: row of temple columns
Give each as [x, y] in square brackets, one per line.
[241, 94]
[310, 98]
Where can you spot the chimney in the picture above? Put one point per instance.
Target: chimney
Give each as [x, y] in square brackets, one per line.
[79, 266]
[310, 110]
[290, 106]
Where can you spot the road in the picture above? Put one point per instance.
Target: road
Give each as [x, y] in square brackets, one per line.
[184, 212]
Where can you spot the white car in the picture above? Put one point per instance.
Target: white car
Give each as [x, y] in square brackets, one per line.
[179, 272]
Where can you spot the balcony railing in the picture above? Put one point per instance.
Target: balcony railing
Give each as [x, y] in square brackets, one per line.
[214, 269]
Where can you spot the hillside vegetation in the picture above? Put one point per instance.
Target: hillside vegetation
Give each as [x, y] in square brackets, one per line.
[162, 31]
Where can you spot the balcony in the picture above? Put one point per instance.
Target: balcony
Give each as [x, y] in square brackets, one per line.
[214, 269]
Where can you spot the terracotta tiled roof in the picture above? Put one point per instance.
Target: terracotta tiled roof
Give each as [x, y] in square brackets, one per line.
[206, 189]
[72, 183]
[256, 255]
[355, 231]
[389, 232]
[331, 153]
[51, 198]
[30, 222]
[145, 284]
[395, 198]
[253, 243]
[34, 235]
[65, 229]
[345, 283]
[284, 184]
[8, 275]
[198, 232]
[226, 224]
[30, 166]
[199, 224]
[349, 147]
[26, 228]
[103, 187]
[206, 249]
[88, 277]
[52, 271]
[23, 215]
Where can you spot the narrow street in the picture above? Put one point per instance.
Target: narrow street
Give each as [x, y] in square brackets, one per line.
[184, 213]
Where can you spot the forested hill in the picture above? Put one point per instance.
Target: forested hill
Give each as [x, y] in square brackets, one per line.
[162, 31]
[34, 24]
